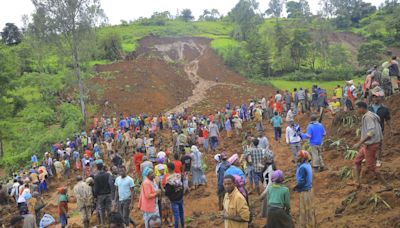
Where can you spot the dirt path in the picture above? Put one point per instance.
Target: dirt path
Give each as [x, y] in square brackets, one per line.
[191, 68]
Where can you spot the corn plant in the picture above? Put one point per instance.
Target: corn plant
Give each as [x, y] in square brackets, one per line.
[349, 121]
[345, 172]
[350, 154]
[375, 198]
[337, 144]
[349, 199]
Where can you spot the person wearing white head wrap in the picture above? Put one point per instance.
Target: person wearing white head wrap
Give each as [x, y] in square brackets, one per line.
[198, 177]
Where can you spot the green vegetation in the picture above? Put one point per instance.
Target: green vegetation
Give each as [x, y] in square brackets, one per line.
[289, 85]
[133, 32]
[39, 83]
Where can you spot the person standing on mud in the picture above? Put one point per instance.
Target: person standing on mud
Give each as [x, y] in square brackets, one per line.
[370, 143]
[224, 165]
[257, 156]
[293, 139]
[84, 200]
[174, 191]
[236, 212]
[214, 134]
[316, 133]
[102, 193]
[124, 187]
[304, 178]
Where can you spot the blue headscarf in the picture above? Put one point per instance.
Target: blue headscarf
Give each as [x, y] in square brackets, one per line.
[146, 171]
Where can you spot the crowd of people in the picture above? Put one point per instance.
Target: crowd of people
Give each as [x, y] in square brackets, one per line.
[133, 158]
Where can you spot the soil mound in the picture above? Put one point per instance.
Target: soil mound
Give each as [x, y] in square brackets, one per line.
[168, 75]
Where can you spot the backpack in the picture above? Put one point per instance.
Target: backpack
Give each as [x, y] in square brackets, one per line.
[393, 70]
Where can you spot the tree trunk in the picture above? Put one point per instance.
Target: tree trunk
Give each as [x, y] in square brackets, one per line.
[1, 148]
[77, 67]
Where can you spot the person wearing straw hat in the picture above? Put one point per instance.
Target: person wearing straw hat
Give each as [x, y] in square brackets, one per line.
[304, 178]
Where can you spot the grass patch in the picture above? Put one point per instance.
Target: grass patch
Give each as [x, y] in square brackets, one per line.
[290, 85]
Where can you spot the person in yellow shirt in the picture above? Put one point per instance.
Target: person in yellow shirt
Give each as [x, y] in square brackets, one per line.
[236, 211]
[334, 105]
[339, 93]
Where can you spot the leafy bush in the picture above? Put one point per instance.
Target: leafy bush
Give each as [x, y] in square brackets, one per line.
[111, 46]
[70, 114]
[371, 53]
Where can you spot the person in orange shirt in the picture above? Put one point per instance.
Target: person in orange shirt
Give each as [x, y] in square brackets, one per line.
[279, 107]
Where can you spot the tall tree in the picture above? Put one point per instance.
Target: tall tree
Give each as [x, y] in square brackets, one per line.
[298, 9]
[371, 53]
[299, 46]
[11, 35]
[245, 18]
[209, 15]
[186, 15]
[275, 8]
[74, 20]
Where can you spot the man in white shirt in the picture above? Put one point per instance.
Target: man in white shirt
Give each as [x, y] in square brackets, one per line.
[293, 139]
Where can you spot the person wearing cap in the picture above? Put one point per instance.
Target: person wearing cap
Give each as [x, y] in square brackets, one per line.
[293, 139]
[149, 192]
[223, 166]
[236, 212]
[369, 144]
[315, 134]
[304, 176]
[102, 192]
[279, 202]
[124, 194]
[84, 199]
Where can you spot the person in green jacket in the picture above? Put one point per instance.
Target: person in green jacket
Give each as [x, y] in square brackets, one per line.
[278, 203]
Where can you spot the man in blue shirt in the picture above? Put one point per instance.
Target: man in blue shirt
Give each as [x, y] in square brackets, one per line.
[315, 133]
[303, 186]
[124, 193]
